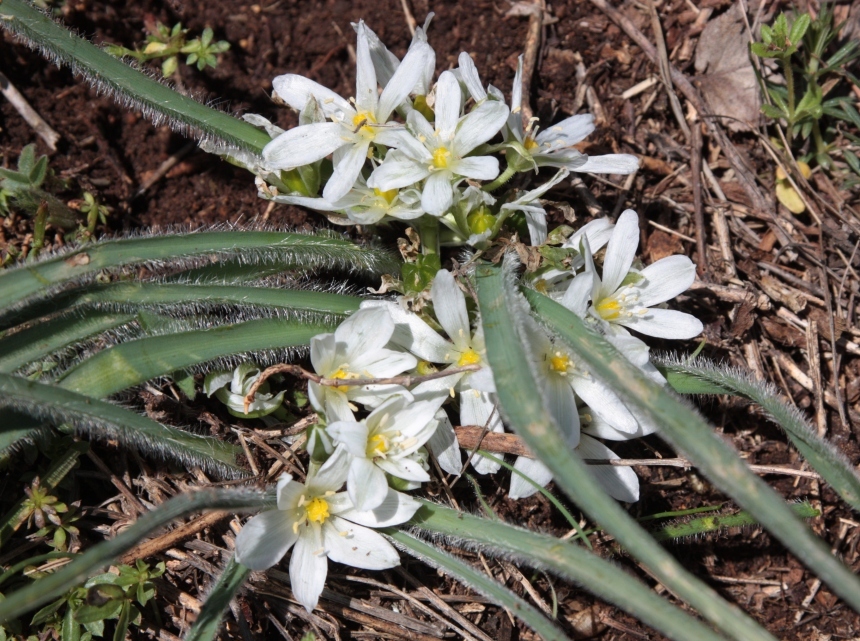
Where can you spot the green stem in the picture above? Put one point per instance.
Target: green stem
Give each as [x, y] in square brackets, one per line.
[789, 86]
[125, 84]
[428, 229]
[504, 177]
[39, 230]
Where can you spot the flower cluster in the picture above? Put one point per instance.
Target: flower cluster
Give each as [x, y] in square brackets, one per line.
[388, 376]
[418, 148]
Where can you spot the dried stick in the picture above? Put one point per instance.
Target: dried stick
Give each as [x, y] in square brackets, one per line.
[698, 211]
[530, 57]
[29, 114]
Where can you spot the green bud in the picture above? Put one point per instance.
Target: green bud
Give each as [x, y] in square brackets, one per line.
[480, 220]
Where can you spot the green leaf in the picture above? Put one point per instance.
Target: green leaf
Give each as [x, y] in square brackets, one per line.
[772, 112]
[102, 420]
[135, 362]
[51, 586]
[852, 160]
[798, 29]
[689, 433]
[93, 613]
[208, 622]
[523, 406]
[169, 66]
[122, 623]
[39, 171]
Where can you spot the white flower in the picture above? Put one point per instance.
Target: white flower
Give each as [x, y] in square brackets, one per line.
[231, 388]
[355, 350]
[322, 524]
[387, 441]
[535, 213]
[352, 129]
[625, 298]
[439, 154]
[386, 63]
[553, 147]
[463, 348]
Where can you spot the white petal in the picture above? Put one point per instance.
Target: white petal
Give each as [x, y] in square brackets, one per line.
[323, 347]
[352, 435]
[476, 408]
[448, 103]
[477, 167]
[295, 91]
[397, 508]
[346, 171]
[265, 539]
[413, 334]
[404, 468]
[366, 484]
[402, 139]
[620, 483]
[397, 172]
[665, 279]
[598, 232]
[621, 251]
[449, 304]
[536, 221]
[479, 125]
[288, 492]
[469, 74]
[517, 89]
[404, 80]
[383, 363]
[570, 130]
[358, 546]
[367, 330]
[562, 405]
[578, 293]
[605, 403]
[610, 164]
[666, 323]
[535, 470]
[331, 475]
[337, 405]
[366, 96]
[444, 446]
[438, 195]
[308, 567]
[303, 145]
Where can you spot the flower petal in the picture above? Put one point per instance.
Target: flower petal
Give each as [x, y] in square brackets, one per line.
[404, 79]
[265, 539]
[304, 145]
[331, 475]
[366, 331]
[366, 87]
[477, 167]
[413, 334]
[449, 100]
[366, 484]
[396, 172]
[535, 470]
[479, 125]
[352, 435]
[665, 279]
[610, 164]
[621, 483]
[568, 132]
[308, 567]
[404, 468]
[358, 546]
[397, 508]
[444, 446]
[295, 91]
[562, 405]
[578, 294]
[470, 77]
[346, 171]
[449, 304]
[476, 408]
[438, 195]
[605, 403]
[620, 252]
[666, 323]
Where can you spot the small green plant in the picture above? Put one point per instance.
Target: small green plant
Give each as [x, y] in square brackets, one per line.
[167, 43]
[29, 187]
[814, 99]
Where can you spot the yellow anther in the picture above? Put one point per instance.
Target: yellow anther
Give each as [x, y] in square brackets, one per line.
[346, 376]
[560, 363]
[541, 286]
[318, 510]
[377, 445]
[530, 143]
[470, 357]
[362, 121]
[441, 157]
[389, 195]
[609, 309]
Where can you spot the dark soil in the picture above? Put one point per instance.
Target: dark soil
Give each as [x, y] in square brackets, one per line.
[111, 153]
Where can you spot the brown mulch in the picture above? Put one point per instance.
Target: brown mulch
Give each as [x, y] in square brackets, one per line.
[777, 297]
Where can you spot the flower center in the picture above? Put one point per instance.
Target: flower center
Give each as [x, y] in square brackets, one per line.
[389, 195]
[470, 357]
[426, 367]
[346, 376]
[530, 143]
[378, 445]
[609, 309]
[560, 363]
[317, 510]
[441, 158]
[362, 122]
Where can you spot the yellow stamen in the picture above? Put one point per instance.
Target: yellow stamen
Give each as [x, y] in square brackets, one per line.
[362, 121]
[609, 309]
[389, 195]
[530, 143]
[441, 157]
[318, 510]
[470, 357]
[560, 363]
[377, 445]
[346, 376]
